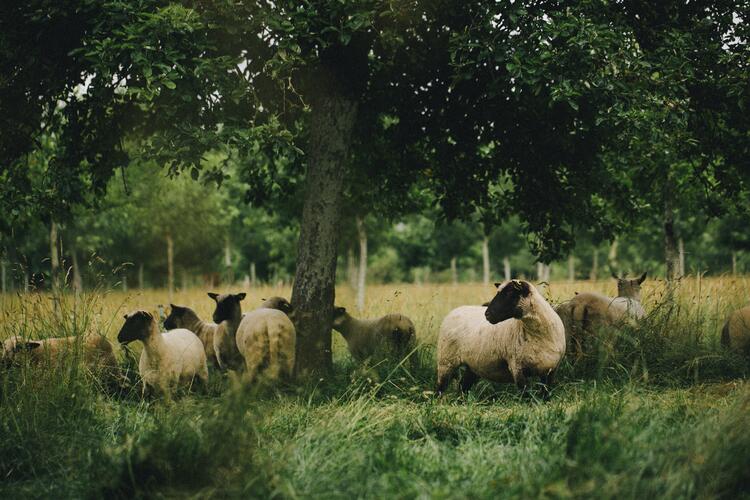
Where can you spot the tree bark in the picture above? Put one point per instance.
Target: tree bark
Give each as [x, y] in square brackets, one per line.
[170, 267]
[593, 275]
[571, 268]
[671, 255]
[362, 273]
[454, 271]
[331, 122]
[54, 256]
[486, 260]
[506, 268]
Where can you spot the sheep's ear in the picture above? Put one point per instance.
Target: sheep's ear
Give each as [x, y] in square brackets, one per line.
[26, 346]
[614, 275]
[241, 296]
[339, 310]
[497, 285]
[148, 315]
[213, 295]
[125, 316]
[642, 278]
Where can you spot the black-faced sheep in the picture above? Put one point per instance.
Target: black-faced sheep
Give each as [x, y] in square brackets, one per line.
[169, 359]
[518, 335]
[184, 317]
[587, 312]
[265, 339]
[387, 336]
[98, 354]
[228, 315]
[736, 332]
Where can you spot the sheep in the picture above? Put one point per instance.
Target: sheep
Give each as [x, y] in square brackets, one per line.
[228, 315]
[518, 335]
[736, 332]
[98, 354]
[390, 334]
[279, 303]
[265, 339]
[184, 317]
[587, 312]
[169, 359]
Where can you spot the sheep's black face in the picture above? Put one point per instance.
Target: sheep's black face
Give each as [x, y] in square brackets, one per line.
[227, 306]
[505, 304]
[174, 320]
[339, 314]
[279, 303]
[137, 327]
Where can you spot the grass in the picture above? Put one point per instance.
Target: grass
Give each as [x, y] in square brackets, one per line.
[659, 410]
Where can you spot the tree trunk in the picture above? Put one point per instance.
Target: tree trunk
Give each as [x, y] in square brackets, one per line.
[486, 261]
[140, 276]
[681, 250]
[362, 273]
[124, 282]
[351, 268]
[454, 271]
[571, 268]
[170, 267]
[539, 271]
[331, 122]
[77, 279]
[54, 256]
[593, 275]
[252, 274]
[506, 268]
[228, 260]
[734, 263]
[612, 256]
[671, 255]
[2, 272]
[547, 272]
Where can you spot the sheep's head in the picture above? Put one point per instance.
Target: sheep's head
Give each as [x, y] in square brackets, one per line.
[510, 301]
[227, 306]
[15, 345]
[279, 303]
[176, 318]
[339, 316]
[137, 326]
[629, 288]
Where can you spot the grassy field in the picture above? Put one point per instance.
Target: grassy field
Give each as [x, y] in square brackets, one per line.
[659, 410]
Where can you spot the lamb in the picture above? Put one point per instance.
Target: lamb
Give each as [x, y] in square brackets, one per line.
[587, 312]
[265, 339]
[736, 332]
[518, 335]
[228, 315]
[184, 317]
[98, 354]
[168, 360]
[392, 334]
[279, 303]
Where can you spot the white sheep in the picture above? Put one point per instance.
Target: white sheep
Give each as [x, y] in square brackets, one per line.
[736, 332]
[587, 312]
[228, 315]
[97, 351]
[184, 317]
[168, 360]
[392, 334]
[518, 335]
[265, 339]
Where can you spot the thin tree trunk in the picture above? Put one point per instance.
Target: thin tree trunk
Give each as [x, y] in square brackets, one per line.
[124, 282]
[351, 268]
[671, 255]
[170, 267]
[547, 272]
[571, 268]
[734, 263]
[454, 271]
[427, 273]
[362, 274]
[228, 260]
[612, 256]
[252, 274]
[26, 280]
[593, 275]
[539, 271]
[54, 256]
[140, 276]
[331, 123]
[506, 268]
[77, 279]
[486, 261]
[2, 271]
[681, 251]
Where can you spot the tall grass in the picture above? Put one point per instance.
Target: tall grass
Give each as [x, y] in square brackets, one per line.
[660, 409]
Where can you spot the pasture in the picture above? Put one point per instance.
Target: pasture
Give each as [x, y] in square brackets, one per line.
[658, 410]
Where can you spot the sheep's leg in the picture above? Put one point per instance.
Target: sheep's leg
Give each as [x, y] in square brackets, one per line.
[547, 381]
[444, 377]
[468, 379]
[519, 377]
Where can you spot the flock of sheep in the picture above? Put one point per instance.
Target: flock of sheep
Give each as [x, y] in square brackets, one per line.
[515, 336]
